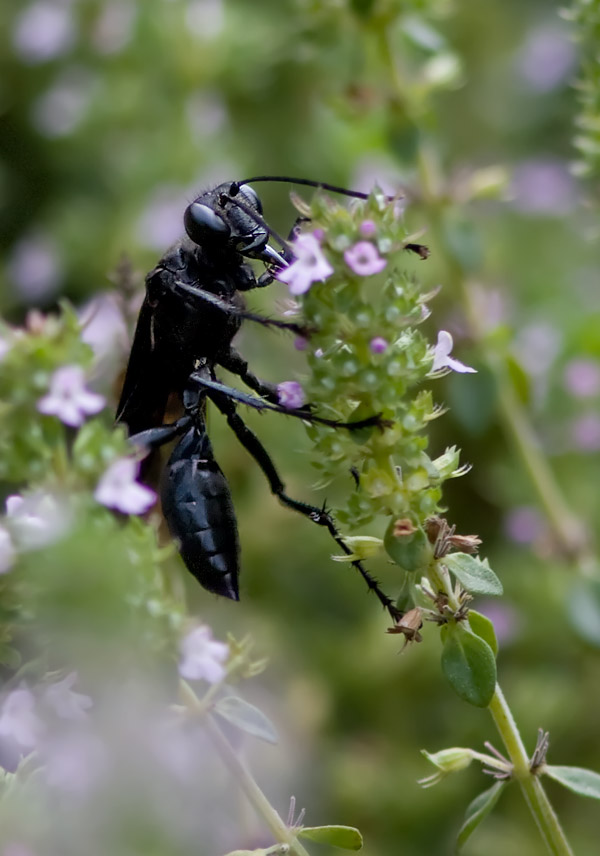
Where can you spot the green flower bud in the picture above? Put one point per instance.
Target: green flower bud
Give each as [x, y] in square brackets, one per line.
[408, 545]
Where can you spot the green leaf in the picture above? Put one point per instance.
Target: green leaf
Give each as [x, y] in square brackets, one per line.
[478, 809]
[584, 782]
[469, 665]
[474, 574]
[483, 627]
[247, 718]
[346, 837]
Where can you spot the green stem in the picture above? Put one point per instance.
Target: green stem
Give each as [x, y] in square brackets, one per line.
[531, 785]
[243, 778]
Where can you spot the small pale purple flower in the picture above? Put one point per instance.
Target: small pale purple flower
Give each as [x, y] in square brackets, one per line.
[586, 432]
[544, 187]
[68, 398]
[202, 657]
[37, 519]
[310, 265]
[7, 551]
[74, 762]
[524, 524]
[44, 31]
[119, 489]
[363, 259]
[18, 719]
[367, 228]
[291, 394]
[300, 343]
[378, 345]
[66, 703]
[505, 618]
[582, 378]
[441, 355]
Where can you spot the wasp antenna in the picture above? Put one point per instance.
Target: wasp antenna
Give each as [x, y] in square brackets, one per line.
[286, 179]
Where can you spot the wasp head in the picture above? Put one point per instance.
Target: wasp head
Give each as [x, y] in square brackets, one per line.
[227, 217]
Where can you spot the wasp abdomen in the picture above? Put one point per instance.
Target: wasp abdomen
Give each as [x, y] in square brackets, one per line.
[199, 512]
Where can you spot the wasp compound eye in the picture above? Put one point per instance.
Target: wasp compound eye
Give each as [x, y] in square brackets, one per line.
[251, 196]
[201, 222]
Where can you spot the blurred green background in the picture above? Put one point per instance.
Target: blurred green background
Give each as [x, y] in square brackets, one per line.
[113, 115]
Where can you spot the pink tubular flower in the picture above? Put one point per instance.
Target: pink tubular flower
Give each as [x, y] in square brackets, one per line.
[291, 394]
[364, 259]
[119, 489]
[441, 355]
[202, 657]
[68, 398]
[310, 265]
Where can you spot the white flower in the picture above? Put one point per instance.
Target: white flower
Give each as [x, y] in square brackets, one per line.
[68, 398]
[66, 703]
[202, 656]
[18, 719]
[309, 266]
[119, 489]
[441, 355]
[7, 551]
[37, 520]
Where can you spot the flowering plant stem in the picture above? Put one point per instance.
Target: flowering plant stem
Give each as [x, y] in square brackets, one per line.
[242, 776]
[531, 785]
[281, 832]
[567, 527]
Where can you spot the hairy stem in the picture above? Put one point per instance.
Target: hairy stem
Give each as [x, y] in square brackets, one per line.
[531, 785]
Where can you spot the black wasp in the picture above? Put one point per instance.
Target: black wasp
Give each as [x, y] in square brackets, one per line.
[191, 312]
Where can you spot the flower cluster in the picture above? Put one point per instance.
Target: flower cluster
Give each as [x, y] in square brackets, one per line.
[367, 355]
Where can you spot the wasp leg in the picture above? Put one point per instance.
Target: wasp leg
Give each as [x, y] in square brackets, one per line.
[236, 364]
[152, 438]
[321, 516]
[229, 309]
[303, 413]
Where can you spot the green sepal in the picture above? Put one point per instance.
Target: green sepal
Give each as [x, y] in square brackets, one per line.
[469, 664]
